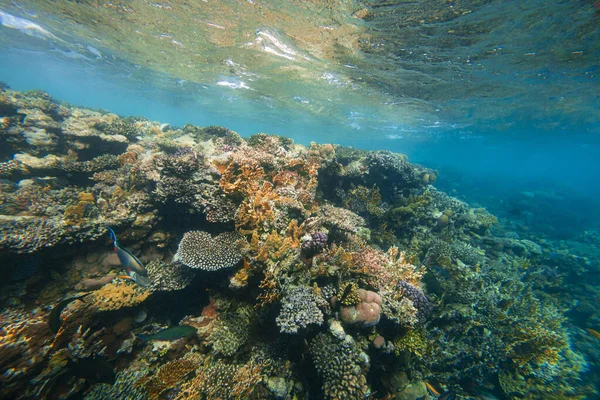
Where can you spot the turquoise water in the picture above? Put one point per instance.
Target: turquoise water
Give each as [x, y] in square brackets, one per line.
[501, 98]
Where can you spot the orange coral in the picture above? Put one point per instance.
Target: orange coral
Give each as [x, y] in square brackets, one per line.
[270, 293]
[256, 209]
[129, 157]
[118, 295]
[244, 179]
[286, 178]
[402, 270]
[170, 375]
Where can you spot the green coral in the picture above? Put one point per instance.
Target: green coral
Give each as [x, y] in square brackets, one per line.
[229, 333]
[414, 341]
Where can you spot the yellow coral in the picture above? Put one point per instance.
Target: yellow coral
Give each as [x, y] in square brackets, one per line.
[348, 294]
[118, 295]
[414, 342]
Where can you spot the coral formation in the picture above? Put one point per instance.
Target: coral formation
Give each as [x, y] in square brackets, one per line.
[166, 277]
[199, 250]
[350, 256]
[298, 309]
[342, 366]
[366, 312]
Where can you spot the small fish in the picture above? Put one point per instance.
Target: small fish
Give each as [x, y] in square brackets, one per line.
[170, 334]
[431, 389]
[133, 267]
[594, 333]
[347, 291]
[54, 316]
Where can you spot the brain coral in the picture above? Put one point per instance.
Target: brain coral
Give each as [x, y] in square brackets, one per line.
[198, 249]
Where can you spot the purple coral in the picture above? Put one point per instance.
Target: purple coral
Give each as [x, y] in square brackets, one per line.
[313, 244]
[420, 301]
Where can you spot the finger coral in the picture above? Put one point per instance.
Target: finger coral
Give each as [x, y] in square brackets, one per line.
[341, 366]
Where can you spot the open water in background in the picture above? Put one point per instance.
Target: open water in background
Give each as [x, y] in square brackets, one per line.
[501, 96]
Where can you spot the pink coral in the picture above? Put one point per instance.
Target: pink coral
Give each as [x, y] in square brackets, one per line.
[366, 313]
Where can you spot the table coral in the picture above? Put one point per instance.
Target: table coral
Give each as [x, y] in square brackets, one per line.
[200, 250]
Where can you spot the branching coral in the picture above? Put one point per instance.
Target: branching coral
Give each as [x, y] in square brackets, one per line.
[228, 333]
[24, 344]
[222, 380]
[298, 310]
[169, 375]
[256, 210]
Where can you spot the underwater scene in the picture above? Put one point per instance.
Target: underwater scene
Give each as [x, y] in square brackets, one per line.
[298, 200]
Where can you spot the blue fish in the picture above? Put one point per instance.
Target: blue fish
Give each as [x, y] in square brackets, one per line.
[133, 267]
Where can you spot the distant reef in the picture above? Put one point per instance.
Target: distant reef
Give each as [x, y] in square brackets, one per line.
[276, 270]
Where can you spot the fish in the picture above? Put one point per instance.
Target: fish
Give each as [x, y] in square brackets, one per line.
[431, 389]
[133, 267]
[594, 333]
[54, 316]
[170, 334]
[137, 278]
[347, 291]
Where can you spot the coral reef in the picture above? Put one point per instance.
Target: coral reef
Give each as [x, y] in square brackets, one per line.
[349, 258]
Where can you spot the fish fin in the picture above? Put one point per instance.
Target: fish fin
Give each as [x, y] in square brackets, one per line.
[125, 277]
[143, 338]
[113, 236]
